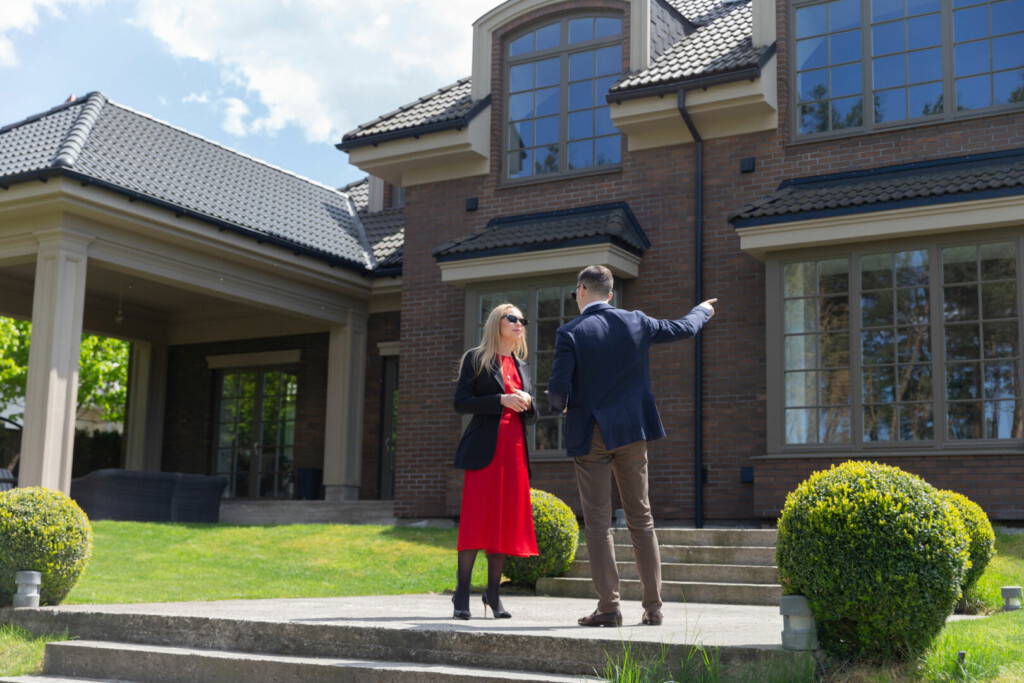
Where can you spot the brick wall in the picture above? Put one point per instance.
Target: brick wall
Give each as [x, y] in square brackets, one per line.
[380, 327]
[658, 184]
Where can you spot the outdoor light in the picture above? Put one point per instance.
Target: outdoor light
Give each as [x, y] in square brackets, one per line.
[1011, 598]
[799, 632]
[28, 588]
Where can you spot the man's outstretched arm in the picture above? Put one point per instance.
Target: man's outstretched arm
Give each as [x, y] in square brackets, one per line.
[661, 331]
[562, 368]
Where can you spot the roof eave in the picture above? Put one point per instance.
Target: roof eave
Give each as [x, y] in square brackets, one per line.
[416, 131]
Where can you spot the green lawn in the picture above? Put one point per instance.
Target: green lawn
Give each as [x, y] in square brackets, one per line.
[21, 652]
[145, 562]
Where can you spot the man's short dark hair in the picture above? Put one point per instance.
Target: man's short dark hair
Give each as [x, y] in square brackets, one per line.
[597, 279]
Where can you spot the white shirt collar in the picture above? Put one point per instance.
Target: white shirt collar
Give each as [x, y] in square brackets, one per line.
[592, 303]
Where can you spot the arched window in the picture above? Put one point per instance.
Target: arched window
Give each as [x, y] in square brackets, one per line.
[556, 79]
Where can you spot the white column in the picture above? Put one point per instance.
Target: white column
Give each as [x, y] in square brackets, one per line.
[51, 398]
[156, 409]
[137, 410]
[343, 434]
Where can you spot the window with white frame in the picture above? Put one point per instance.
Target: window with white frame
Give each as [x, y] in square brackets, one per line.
[557, 76]
[901, 347]
[863, 64]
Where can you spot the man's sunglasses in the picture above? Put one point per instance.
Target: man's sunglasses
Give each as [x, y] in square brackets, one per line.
[513, 319]
[572, 294]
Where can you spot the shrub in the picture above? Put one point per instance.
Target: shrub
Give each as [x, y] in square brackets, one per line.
[558, 535]
[982, 538]
[878, 555]
[42, 530]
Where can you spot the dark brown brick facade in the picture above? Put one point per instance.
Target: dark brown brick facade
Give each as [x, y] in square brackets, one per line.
[658, 185]
[380, 327]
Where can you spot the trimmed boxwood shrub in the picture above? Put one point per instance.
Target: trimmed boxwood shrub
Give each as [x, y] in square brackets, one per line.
[558, 534]
[45, 531]
[879, 556]
[982, 544]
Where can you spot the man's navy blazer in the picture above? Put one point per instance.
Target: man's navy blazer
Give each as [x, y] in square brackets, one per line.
[601, 372]
[480, 396]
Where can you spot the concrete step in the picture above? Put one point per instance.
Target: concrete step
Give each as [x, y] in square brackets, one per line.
[705, 537]
[671, 591]
[674, 571]
[59, 679]
[274, 512]
[761, 556]
[163, 664]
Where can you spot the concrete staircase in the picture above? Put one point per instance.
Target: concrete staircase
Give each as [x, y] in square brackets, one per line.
[723, 566]
[273, 512]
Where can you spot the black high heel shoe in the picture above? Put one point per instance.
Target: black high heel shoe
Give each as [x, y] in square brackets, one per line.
[459, 613]
[497, 610]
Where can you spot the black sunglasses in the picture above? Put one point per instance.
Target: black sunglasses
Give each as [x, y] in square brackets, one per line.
[572, 294]
[512, 319]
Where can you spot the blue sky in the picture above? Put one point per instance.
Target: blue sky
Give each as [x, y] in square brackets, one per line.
[280, 80]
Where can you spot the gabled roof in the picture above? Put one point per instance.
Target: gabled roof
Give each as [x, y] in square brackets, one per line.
[446, 108]
[385, 230]
[614, 223]
[106, 144]
[720, 47]
[695, 41]
[955, 179]
[359, 192]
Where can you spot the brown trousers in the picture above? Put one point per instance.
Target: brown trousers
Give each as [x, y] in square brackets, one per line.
[594, 472]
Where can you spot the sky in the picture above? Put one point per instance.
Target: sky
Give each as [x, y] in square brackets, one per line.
[279, 80]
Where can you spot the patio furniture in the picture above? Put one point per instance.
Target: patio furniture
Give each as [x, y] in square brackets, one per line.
[149, 496]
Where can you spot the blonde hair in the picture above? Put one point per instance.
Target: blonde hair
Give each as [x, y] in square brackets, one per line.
[485, 354]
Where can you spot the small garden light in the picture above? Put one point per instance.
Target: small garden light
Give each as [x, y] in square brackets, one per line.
[799, 632]
[28, 588]
[1011, 598]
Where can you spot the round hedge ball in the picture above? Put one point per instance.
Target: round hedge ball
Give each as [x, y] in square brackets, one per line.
[979, 530]
[878, 555]
[45, 531]
[558, 534]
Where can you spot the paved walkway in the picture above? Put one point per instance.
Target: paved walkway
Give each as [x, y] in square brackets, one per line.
[685, 623]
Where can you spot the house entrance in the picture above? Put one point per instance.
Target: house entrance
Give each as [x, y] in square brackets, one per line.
[256, 432]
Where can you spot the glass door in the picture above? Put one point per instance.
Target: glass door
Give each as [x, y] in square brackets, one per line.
[256, 432]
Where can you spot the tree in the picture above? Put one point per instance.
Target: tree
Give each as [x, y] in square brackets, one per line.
[102, 372]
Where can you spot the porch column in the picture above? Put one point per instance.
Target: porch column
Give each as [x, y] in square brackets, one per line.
[147, 376]
[51, 399]
[343, 433]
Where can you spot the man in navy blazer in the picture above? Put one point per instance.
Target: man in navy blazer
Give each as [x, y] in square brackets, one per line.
[600, 379]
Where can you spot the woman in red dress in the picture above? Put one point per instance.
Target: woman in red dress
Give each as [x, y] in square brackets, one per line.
[494, 387]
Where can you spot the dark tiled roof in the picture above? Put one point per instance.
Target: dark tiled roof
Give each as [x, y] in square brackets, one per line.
[359, 193]
[107, 144]
[930, 182]
[722, 44]
[386, 233]
[450, 107]
[592, 224]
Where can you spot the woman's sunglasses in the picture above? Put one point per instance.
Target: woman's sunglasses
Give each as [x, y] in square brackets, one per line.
[513, 319]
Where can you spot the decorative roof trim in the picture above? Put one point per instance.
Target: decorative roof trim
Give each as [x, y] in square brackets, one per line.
[416, 131]
[71, 147]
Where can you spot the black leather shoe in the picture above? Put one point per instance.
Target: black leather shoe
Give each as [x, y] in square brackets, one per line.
[653, 618]
[497, 610]
[459, 613]
[601, 619]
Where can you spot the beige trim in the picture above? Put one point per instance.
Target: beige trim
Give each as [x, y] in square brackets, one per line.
[343, 429]
[448, 154]
[764, 18]
[375, 194]
[388, 348]
[223, 326]
[245, 360]
[623, 264]
[486, 25]
[720, 111]
[933, 219]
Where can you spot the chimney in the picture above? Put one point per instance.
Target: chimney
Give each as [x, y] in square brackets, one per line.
[764, 22]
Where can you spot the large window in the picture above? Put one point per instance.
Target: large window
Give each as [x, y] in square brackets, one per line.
[910, 60]
[547, 306]
[897, 348]
[557, 77]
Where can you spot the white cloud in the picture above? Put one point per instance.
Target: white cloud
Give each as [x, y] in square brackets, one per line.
[322, 65]
[198, 97]
[23, 15]
[235, 112]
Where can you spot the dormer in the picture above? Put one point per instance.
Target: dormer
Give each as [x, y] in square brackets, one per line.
[556, 84]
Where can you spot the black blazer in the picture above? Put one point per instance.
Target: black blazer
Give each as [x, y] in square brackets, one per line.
[480, 396]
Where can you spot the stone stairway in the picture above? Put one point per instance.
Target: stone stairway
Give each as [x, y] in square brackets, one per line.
[723, 566]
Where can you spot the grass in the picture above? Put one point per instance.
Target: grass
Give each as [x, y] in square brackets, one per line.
[21, 652]
[147, 562]
[703, 665]
[1005, 569]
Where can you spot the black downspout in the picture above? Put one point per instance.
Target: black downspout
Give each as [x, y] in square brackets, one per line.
[698, 363]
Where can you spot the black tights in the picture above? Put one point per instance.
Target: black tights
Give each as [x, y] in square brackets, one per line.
[464, 576]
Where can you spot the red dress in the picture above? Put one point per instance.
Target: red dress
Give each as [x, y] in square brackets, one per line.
[496, 511]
